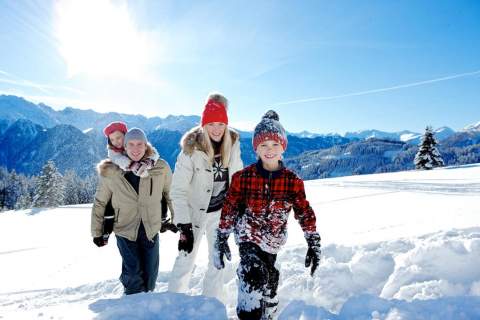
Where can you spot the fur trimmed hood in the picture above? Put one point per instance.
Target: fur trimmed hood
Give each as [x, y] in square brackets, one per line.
[106, 168]
[192, 140]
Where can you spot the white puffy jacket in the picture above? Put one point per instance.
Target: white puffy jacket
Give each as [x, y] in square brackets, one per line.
[192, 181]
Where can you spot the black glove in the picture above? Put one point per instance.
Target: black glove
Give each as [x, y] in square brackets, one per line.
[313, 252]
[185, 242]
[221, 249]
[101, 241]
[108, 218]
[167, 225]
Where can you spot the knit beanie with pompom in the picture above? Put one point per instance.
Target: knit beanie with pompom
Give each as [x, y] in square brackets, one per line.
[269, 128]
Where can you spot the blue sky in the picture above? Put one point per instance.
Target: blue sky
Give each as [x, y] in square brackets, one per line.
[325, 66]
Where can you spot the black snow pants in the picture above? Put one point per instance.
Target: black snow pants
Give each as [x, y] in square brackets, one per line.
[258, 279]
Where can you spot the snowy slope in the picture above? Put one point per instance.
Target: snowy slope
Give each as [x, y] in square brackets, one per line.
[402, 245]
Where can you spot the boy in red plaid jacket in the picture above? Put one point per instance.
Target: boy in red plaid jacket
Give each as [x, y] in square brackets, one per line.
[256, 209]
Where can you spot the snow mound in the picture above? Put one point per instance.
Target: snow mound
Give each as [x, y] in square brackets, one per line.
[368, 307]
[165, 306]
[396, 274]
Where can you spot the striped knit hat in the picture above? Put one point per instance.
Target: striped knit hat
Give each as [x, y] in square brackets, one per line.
[270, 128]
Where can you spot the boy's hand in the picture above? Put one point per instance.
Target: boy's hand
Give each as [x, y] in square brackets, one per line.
[221, 249]
[313, 253]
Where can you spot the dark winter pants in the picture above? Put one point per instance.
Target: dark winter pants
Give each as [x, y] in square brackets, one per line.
[258, 282]
[139, 262]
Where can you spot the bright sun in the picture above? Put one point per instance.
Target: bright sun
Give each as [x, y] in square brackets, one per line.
[99, 38]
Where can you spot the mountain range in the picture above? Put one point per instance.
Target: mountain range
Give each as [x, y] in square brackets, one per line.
[31, 134]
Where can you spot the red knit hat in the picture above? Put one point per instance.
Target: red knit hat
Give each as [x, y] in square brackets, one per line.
[214, 112]
[115, 126]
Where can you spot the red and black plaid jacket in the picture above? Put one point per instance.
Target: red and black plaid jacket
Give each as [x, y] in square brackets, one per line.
[258, 203]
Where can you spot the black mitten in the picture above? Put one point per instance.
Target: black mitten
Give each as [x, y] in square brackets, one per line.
[185, 242]
[221, 249]
[167, 225]
[100, 241]
[313, 253]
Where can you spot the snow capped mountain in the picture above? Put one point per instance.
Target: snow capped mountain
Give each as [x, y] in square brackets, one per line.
[405, 135]
[16, 139]
[441, 134]
[178, 123]
[67, 146]
[311, 155]
[307, 134]
[472, 127]
[368, 134]
[13, 108]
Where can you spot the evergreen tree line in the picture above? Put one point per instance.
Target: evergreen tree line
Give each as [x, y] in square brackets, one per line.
[49, 189]
[52, 189]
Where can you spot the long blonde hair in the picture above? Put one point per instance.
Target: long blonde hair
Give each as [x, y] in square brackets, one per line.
[225, 147]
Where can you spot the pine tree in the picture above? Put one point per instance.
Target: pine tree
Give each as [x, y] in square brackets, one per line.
[49, 191]
[88, 189]
[3, 187]
[13, 190]
[428, 156]
[72, 185]
[24, 202]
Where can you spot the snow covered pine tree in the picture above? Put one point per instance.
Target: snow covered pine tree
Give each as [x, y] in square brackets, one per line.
[49, 191]
[428, 156]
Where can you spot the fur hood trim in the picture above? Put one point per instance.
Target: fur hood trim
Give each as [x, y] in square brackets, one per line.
[192, 140]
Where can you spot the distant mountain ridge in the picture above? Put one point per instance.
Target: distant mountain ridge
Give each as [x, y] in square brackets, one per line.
[31, 134]
[13, 108]
[405, 135]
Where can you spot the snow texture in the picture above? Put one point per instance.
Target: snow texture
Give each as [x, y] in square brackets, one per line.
[400, 245]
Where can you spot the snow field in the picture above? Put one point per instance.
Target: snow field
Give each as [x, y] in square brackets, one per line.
[395, 246]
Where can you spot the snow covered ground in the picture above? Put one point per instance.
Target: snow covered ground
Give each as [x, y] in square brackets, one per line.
[400, 245]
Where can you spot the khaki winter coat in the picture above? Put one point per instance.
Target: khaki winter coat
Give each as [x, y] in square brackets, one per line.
[131, 208]
[192, 182]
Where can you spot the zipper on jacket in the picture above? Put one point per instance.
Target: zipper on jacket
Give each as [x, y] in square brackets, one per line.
[151, 186]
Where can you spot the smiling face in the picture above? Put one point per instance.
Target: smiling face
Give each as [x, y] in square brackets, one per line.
[216, 130]
[270, 152]
[116, 139]
[136, 149]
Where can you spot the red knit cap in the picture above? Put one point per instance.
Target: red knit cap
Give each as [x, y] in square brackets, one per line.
[214, 112]
[115, 126]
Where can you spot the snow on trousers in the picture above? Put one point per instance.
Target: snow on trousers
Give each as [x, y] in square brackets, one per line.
[258, 285]
[140, 261]
[183, 267]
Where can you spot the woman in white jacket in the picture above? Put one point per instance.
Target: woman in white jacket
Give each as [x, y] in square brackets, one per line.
[210, 156]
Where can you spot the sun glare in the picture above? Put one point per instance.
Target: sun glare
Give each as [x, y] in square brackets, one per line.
[99, 38]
